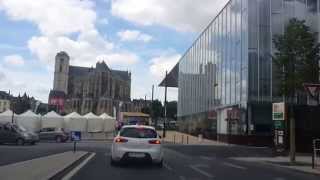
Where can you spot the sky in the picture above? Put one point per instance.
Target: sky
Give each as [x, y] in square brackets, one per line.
[145, 37]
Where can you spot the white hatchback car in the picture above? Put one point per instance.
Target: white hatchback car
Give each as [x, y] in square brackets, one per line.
[137, 142]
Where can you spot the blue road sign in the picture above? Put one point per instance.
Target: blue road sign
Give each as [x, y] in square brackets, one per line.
[75, 135]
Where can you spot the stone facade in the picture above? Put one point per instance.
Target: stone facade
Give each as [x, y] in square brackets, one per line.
[97, 89]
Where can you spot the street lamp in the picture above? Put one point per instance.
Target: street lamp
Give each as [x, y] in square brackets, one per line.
[165, 106]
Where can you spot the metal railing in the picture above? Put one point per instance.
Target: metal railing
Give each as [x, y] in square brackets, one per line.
[316, 153]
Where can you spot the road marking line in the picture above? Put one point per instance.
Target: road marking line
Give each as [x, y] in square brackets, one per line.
[167, 166]
[197, 168]
[207, 158]
[176, 153]
[234, 166]
[279, 178]
[182, 178]
[76, 169]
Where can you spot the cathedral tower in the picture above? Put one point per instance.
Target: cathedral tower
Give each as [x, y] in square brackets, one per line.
[61, 72]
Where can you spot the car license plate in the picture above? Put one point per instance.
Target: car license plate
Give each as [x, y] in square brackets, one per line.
[136, 155]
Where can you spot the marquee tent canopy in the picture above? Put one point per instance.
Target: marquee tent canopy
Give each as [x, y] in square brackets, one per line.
[75, 122]
[6, 116]
[30, 121]
[95, 123]
[52, 119]
[109, 122]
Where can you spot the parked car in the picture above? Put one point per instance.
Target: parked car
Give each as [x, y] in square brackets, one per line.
[12, 133]
[137, 142]
[52, 133]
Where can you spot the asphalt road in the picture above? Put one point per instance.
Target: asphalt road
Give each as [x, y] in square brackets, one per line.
[181, 162]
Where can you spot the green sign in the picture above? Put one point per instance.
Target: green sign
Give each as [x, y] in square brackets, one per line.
[279, 124]
[278, 116]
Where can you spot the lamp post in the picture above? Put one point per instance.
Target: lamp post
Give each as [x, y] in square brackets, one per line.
[165, 107]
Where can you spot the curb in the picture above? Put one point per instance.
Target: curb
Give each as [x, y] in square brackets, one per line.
[293, 169]
[60, 174]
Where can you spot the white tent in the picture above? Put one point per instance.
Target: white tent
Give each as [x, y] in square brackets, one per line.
[52, 119]
[30, 121]
[109, 122]
[6, 116]
[95, 123]
[75, 122]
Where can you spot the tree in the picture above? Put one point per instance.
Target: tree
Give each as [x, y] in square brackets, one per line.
[157, 109]
[172, 109]
[297, 61]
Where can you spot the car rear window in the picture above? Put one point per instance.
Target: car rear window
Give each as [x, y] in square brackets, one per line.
[138, 133]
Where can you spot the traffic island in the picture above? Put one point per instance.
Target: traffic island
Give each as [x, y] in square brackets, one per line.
[40, 168]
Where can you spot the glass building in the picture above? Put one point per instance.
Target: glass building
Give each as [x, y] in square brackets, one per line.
[226, 79]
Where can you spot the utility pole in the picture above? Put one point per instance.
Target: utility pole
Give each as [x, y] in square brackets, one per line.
[165, 106]
[151, 108]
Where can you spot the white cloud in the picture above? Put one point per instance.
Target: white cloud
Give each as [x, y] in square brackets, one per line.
[85, 51]
[19, 82]
[14, 60]
[56, 20]
[134, 35]
[159, 65]
[53, 17]
[181, 15]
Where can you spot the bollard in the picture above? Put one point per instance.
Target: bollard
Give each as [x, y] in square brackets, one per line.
[187, 139]
[174, 139]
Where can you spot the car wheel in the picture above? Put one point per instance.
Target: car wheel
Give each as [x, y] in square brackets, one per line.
[58, 139]
[20, 142]
[33, 143]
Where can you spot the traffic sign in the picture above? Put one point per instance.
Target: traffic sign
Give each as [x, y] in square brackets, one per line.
[278, 111]
[75, 135]
[279, 124]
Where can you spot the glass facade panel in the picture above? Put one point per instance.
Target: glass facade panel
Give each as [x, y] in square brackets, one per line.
[230, 63]
[213, 72]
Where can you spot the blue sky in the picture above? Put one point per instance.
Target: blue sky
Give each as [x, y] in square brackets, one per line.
[145, 37]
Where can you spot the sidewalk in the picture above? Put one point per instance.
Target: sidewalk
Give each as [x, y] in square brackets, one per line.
[40, 168]
[303, 163]
[183, 138]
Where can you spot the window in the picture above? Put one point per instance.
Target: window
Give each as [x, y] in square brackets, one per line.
[138, 133]
[61, 64]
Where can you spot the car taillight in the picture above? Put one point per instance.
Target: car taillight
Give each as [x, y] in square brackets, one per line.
[120, 140]
[154, 142]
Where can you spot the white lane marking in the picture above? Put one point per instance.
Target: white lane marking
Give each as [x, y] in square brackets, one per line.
[197, 168]
[167, 166]
[76, 169]
[178, 154]
[234, 166]
[182, 178]
[279, 178]
[209, 158]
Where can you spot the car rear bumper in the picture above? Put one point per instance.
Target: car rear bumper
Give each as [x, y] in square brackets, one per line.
[123, 154]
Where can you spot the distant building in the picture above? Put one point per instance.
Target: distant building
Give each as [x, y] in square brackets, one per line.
[4, 101]
[84, 89]
[139, 104]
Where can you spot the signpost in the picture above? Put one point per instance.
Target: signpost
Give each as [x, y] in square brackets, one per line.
[75, 136]
[278, 117]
